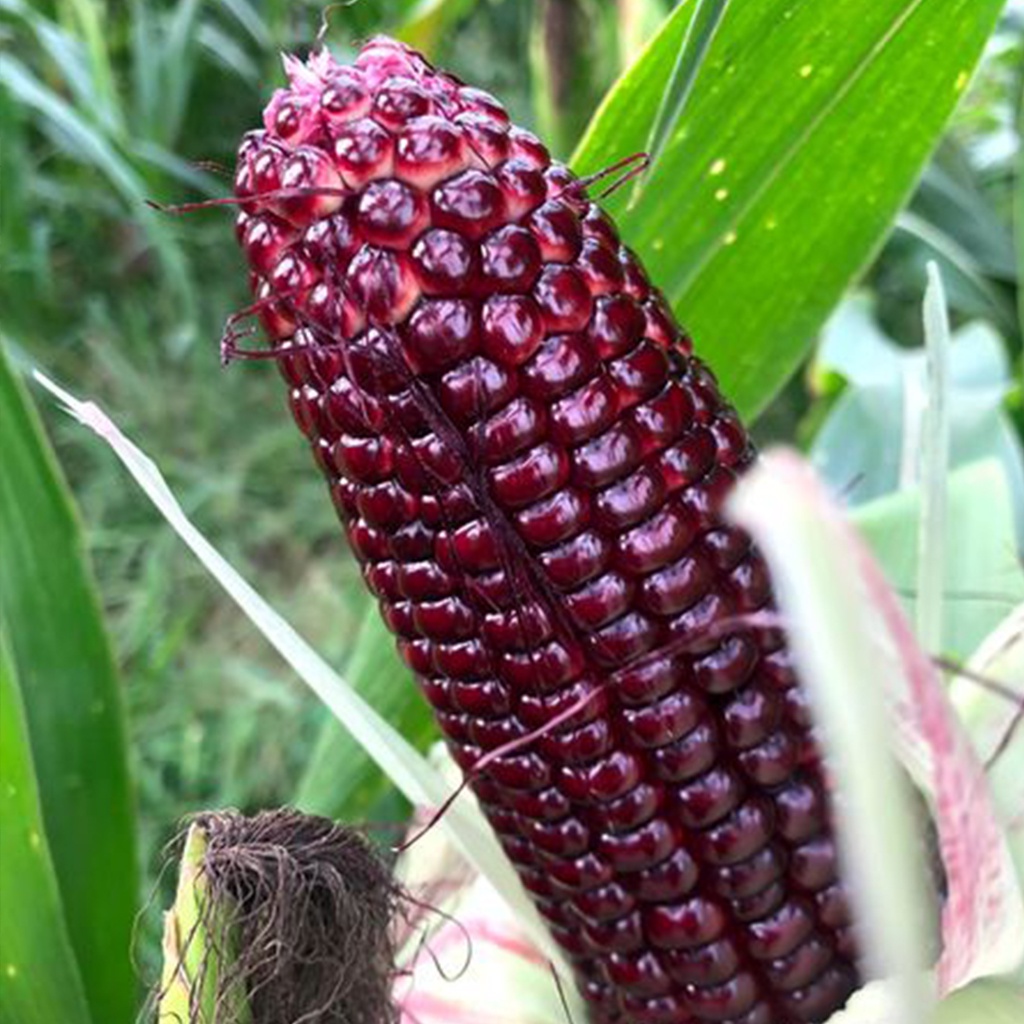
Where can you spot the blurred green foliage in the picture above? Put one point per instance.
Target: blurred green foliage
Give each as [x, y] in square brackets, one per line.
[105, 103]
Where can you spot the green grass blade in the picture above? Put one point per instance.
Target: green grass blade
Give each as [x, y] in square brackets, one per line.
[90, 18]
[39, 979]
[70, 58]
[934, 469]
[705, 18]
[92, 147]
[145, 70]
[73, 707]
[225, 49]
[251, 20]
[805, 131]
[178, 54]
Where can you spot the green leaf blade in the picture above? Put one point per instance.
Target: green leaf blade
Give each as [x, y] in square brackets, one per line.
[72, 705]
[788, 166]
[39, 978]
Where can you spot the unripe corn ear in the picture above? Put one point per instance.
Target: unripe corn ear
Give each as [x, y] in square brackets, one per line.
[279, 917]
[199, 948]
[530, 465]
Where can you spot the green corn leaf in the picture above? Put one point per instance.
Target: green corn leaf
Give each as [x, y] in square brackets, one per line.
[39, 979]
[72, 706]
[805, 131]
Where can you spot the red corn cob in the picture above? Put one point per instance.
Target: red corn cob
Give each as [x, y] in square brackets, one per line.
[529, 463]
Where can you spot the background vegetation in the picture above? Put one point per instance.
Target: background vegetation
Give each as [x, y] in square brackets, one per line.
[105, 104]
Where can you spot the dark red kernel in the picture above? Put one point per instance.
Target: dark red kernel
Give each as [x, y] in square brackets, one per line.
[510, 260]
[512, 328]
[565, 300]
[693, 922]
[470, 203]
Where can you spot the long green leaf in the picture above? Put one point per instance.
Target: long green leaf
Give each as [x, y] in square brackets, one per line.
[73, 707]
[178, 51]
[39, 979]
[251, 20]
[91, 27]
[805, 131]
[68, 54]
